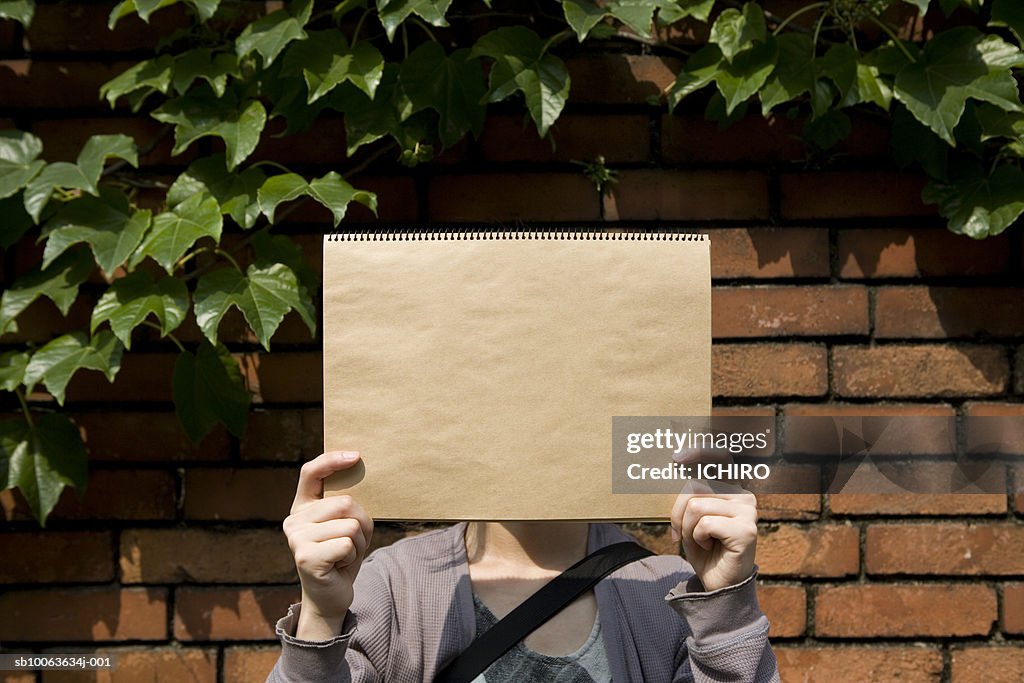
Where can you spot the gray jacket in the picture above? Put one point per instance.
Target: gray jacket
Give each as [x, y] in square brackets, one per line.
[413, 613]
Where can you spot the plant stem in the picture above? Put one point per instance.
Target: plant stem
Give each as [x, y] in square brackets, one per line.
[24, 406]
[272, 164]
[426, 29]
[794, 15]
[899, 43]
[217, 250]
[556, 39]
[359, 26]
[150, 323]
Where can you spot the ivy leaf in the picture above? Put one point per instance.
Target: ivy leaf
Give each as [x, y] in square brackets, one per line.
[283, 249]
[19, 10]
[331, 190]
[107, 224]
[18, 163]
[143, 8]
[522, 64]
[264, 295]
[582, 16]
[671, 11]
[369, 119]
[828, 130]
[176, 230]
[12, 370]
[452, 86]
[272, 33]
[235, 192]
[921, 5]
[201, 113]
[914, 142]
[839, 65]
[636, 14]
[60, 359]
[133, 298]
[98, 148]
[14, 221]
[58, 282]
[326, 61]
[952, 69]
[871, 88]
[208, 389]
[204, 64]
[735, 31]
[977, 204]
[42, 459]
[794, 72]
[744, 76]
[1009, 13]
[996, 122]
[393, 12]
[149, 76]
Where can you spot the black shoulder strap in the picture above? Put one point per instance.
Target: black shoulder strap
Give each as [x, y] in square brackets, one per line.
[538, 608]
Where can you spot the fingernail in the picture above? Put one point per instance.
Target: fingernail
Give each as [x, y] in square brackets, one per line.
[349, 456]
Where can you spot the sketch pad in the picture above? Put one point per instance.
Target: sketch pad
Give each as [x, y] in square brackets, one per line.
[478, 372]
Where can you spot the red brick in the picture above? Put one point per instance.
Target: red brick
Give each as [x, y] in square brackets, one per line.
[848, 194]
[46, 556]
[788, 311]
[786, 609]
[12, 676]
[513, 197]
[919, 252]
[239, 494]
[832, 550]
[285, 377]
[621, 79]
[755, 139]
[152, 496]
[906, 371]
[989, 664]
[283, 435]
[63, 139]
[973, 550]
[1013, 608]
[323, 143]
[244, 664]
[88, 614]
[859, 664]
[768, 370]
[572, 138]
[225, 614]
[142, 377]
[893, 429]
[205, 556]
[688, 195]
[72, 27]
[788, 506]
[951, 504]
[41, 321]
[147, 437]
[768, 252]
[28, 84]
[897, 610]
[948, 312]
[152, 665]
[995, 428]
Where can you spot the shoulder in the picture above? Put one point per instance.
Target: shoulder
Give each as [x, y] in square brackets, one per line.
[431, 550]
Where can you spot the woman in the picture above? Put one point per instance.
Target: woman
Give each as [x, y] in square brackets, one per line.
[410, 608]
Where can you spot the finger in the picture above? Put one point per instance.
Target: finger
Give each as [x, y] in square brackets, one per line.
[702, 506]
[319, 558]
[336, 528]
[313, 473]
[732, 532]
[334, 507]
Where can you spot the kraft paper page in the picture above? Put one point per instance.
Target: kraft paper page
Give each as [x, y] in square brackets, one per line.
[479, 377]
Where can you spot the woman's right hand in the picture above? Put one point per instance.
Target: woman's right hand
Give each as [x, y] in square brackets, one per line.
[328, 538]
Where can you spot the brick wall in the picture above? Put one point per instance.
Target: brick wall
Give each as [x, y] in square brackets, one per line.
[833, 285]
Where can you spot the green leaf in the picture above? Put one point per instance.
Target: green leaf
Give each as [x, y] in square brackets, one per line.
[200, 113]
[58, 282]
[839, 65]
[521, 64]
[921, 5]
[107, 224]
[132, 299]
[393, 12]
[976, 204]
[18, 163]
[828, 130]
[98, 148]
[871, 88]
[264, 295]
[700, 70]
[671, 11]
[12, 369]
[326, 61]
[914, 142]
[235, 192]
[582, 16]
[452, 86]
[636, 14]
[60, 359]
[272, 248]
[1009, 13]
[19, 10]
[272, 33]
[206, 8]
[996, 122]
[744, 76]
[951, 69]
[735, 31]
[368, 119]
[176, 230]
[149, 76]
[42, 459]
[208, 389]
[214, 68]
[794, 72]
[14, 221]
[331, 190]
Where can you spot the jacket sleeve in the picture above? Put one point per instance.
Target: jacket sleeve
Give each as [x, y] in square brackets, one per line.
[728, 638]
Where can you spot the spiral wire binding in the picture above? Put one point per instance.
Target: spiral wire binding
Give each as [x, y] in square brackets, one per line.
[452, 234]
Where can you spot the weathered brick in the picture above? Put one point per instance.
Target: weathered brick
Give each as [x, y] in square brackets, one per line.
[786, 609]
[768, 252]
[768, 370]
[995, 428]
[151, 665]
[871, 504]
[224, 614]
[693, 139]
[831, 550]
[859, 664]
[142, 377]
[688, 195]
[512, 196]
[788, 311]
[244, 664]
[237, 494]
[908, 371]
[989, 664]
[948, 312]
[85, 614]
[574, 137]
[283, 435]
[1013, 608]
[63, 138]
[973, 550]
[918, 252]
[205, 556]
[323, 143]
[73, 27]
[620, 79]
[815, 429]
[292, 377]
[46, 556]
[845, 194]
[28, 84]
[107, 435]
[883, 610]
[788, 506]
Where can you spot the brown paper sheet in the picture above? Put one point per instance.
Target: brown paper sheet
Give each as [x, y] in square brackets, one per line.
[479, 377]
